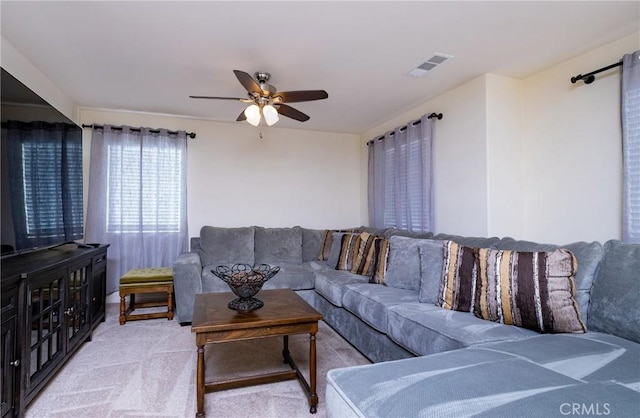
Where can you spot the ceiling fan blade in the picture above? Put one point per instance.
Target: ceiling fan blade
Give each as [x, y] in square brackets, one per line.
[292, 113]
[216, 98]
[241, 117]
[248, 82]
[302, 95]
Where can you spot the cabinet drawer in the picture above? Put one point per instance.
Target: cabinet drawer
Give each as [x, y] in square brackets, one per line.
[99, 262]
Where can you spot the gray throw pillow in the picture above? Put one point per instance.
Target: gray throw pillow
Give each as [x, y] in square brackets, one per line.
[403, 265]
[431, 261]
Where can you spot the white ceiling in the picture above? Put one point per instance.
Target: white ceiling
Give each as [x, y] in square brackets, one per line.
[150, 56]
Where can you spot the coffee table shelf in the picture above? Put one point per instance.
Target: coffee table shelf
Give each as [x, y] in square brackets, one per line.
[284, 313]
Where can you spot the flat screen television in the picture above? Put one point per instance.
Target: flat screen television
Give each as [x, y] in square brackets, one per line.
[41, 172]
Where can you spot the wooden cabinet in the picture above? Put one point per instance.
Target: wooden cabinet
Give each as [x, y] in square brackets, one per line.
[10, 360]
[59, 299]
[98, 288]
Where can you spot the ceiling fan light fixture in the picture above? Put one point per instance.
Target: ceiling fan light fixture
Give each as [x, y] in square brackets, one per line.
[270, 114]
[253, 114]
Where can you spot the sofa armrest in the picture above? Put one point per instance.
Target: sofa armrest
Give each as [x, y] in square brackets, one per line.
[187, 282]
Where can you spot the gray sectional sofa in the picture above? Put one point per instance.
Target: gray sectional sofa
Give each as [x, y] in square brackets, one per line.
[431, 361]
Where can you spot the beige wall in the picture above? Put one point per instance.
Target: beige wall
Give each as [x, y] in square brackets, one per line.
[537, 159]
[459, 157]
[290, 177]
[504, 156]
[572, 147]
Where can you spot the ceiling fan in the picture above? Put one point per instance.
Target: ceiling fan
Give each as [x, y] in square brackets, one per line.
[266, 101]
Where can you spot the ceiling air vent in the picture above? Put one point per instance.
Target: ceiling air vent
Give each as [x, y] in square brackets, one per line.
[429, 65]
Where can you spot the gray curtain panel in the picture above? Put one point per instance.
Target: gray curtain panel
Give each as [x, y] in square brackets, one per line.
[400, 178]
[631, 147]
[137, 197]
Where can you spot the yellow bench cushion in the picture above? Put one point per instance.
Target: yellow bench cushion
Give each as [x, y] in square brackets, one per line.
[153, 275]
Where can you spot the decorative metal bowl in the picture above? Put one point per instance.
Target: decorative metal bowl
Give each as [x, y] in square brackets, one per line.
[245, 282]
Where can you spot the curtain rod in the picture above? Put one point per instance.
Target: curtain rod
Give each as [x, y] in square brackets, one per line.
[590, 77]
[404, 128]
[119, 128]
[431, 116]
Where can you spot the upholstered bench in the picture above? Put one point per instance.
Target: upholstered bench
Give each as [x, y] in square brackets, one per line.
[147, 280]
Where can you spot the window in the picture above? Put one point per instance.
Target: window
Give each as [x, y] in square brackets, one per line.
[144, 189]
[43, 199]
[137, 199]
[51, 180]
[399, 190]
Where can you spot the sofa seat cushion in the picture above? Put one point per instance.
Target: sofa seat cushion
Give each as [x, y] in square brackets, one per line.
[315, 265]
[468, 382]
[425, 329]
[370, 302]
[291, 276]
[330, 283]
[590, 357]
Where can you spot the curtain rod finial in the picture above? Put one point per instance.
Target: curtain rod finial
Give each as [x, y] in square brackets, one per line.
[435, 115]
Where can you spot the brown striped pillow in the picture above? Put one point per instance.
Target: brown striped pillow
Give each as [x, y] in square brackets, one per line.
[348, 252]
[533, 290]
[364, 262]
[382, 256]
[458, 282]
[327, 241]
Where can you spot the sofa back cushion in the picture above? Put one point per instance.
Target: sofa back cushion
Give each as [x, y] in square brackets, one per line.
[469, 241]
[390, 232]
[278, 245]
[588, 255]
[226, 245]
[532, 290]
[614, 307]
[403, 264]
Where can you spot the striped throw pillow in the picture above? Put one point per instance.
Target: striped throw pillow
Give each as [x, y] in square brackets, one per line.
[382, 256]
[348, 252]
[327, 241]
[367, 258]
[458, 282]
[533, 290]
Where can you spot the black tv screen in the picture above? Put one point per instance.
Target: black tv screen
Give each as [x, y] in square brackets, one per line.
[41, 172]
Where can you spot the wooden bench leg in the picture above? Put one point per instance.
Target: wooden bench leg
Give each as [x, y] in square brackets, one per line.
[170, 303]
[123, 318]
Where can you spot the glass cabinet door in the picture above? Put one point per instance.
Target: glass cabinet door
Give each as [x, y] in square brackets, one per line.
[78, 307]
[9, 356]
[45, 323]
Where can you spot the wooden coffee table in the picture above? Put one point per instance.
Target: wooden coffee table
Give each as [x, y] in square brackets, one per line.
[284, 313]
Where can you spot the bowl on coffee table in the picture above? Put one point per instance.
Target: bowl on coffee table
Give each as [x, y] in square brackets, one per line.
[245, 282]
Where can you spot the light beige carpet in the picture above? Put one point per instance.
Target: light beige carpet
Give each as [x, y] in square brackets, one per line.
[147, 369]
